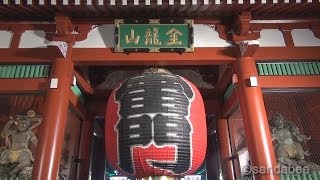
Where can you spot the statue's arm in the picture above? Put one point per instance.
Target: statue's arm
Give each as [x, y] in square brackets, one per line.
[273, 133]
[297, 134]
[33, 138]
[38, 121]
[300, 137]
[6, 130]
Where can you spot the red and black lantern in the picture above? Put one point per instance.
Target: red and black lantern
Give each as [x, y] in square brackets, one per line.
[155, 125]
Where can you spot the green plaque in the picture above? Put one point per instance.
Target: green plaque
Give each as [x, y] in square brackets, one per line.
[154, 35]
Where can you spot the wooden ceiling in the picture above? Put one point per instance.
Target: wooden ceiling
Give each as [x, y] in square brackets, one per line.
[110, 9]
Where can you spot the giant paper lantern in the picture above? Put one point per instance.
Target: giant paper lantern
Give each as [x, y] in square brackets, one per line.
[155, 125]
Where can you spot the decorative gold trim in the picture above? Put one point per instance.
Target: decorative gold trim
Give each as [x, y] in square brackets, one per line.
[152, 49]
[154, 21]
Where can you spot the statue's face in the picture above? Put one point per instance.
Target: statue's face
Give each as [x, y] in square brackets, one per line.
[21, 122]
[278, 120]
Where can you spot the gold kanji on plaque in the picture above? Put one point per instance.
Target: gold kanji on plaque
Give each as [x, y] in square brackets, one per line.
[132, 38]
[152, 37]
[174, 37]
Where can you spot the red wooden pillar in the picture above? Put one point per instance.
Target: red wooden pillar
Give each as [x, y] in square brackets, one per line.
[85, 149]
[254, 116]
[225, 149]
[51, 134]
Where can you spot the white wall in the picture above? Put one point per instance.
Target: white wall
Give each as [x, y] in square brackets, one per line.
[304, 37]
[206, 36]
[271, 38]
[33, 39]
[98, 37]
[5, 39]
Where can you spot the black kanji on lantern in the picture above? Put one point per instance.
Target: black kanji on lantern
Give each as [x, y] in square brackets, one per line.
[155, 108]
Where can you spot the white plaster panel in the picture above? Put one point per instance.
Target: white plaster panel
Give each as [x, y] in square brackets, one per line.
[99, 37]
[271, 38]
[304, 37]
[33, 39]
[206, 36]
[5, 39]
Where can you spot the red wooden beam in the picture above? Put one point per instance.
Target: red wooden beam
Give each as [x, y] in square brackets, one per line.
[29, 55]
[287, 36]
[85, 149]
[24, 85]
[289, 81]
[255, 119]
[287, 53]
[200, 56]
[51, 134]
[16, 39]
[83, 83]
[257, 25]
[225, 149]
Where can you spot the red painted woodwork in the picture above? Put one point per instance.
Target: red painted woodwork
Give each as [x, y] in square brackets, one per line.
[46, 165]
[287, 37]
[254, 118]
[47, 11]
[225, 149]
[86, 136]
[200, 56]
[286, 53]
[51, 134]
[83, 83]
[289, 81]
[29, 55]
[204, 56]
[142, 154]
[16, 38]
[32, 85]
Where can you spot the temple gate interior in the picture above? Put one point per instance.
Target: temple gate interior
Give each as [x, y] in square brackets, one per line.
[255, 63]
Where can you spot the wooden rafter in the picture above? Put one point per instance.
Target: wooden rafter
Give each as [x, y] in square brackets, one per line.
[83, 83]
[188, 8]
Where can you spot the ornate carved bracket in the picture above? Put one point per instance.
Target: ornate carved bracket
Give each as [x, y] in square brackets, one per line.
[68, 32]
[248, 48]
[63, 30]
[83, 30]
[242, 28]
[242, 24]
